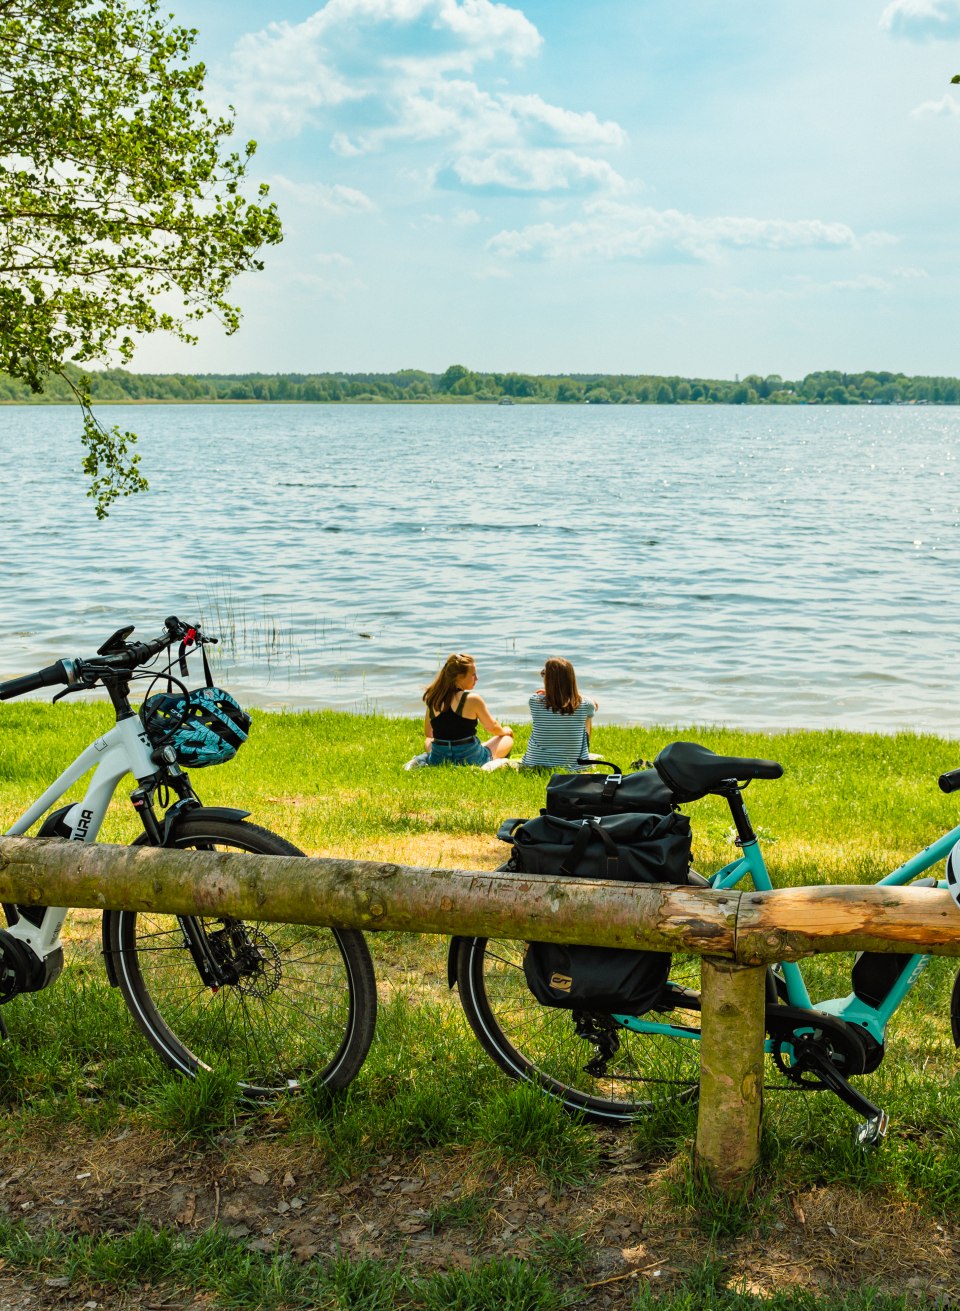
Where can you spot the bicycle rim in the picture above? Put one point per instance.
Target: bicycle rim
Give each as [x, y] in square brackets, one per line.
[540, 1044]
[302, 1009]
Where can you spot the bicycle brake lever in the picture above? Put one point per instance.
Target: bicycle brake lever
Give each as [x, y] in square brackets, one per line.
[77, 687]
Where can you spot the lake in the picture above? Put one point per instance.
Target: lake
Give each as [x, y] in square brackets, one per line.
[767, 567]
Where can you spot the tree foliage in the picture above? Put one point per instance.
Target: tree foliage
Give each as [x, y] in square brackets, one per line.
[122, 210]
[460, 384]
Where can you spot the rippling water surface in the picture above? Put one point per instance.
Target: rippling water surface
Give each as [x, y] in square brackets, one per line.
[760, 567]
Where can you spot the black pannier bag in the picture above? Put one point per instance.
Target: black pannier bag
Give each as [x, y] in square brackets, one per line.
[635, 848]
[573, 796]
[612, 980]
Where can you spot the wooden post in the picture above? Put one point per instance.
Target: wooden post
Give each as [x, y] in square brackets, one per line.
[731, 1074]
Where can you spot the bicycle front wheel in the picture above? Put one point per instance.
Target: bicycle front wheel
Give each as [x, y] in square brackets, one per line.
[300, 1006]
[558, 1051]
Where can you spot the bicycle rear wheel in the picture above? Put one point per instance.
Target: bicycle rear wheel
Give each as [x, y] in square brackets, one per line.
[549, 1047]
[301, 1008]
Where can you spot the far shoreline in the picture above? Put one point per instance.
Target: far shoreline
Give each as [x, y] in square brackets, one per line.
[488, 402]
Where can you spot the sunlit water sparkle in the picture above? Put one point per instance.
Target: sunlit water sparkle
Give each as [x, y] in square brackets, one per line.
[764, 567]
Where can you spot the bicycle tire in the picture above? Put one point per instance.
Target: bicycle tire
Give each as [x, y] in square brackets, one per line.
[303, 1011]
[955, 1011]
[540, 1044]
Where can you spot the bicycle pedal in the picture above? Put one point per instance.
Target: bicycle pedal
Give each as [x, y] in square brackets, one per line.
[872, 1132]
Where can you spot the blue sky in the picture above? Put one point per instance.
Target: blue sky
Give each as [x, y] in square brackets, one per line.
[632, 186]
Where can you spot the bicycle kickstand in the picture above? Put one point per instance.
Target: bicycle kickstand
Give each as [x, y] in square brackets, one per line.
[873, 1131]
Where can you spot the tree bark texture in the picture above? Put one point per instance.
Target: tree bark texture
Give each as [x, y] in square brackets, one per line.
[731, 1074]
[790, 923]
[753, 928]
[366, 894]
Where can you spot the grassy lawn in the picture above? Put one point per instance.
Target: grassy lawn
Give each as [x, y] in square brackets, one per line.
[433, 1181]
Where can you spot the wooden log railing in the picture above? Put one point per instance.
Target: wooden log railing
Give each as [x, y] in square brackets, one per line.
[737, 933]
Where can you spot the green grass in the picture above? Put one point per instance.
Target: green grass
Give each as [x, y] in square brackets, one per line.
[215, 1264]
[848, 805]
[849, 808]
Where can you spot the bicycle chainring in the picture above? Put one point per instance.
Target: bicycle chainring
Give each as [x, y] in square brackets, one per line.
[797, 1034]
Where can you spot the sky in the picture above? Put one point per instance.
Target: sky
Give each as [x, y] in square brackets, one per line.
[577, 186]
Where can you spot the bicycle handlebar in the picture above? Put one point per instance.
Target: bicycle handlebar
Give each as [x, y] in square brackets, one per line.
[950, 781]
[127, 657]
[49, 677]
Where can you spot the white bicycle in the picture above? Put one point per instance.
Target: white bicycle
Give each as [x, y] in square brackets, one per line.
[279, 1005]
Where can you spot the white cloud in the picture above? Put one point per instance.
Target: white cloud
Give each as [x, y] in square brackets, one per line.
[382, 74]
[565, 124]
[460, 115]
[614, 231]
[922, 20]
[948, 106]
[285, 76]
[333, 199]
[878, 238]
[801, 288]
[534, 170]
[864, 282]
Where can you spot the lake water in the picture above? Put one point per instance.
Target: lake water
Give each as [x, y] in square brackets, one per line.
[762, 567]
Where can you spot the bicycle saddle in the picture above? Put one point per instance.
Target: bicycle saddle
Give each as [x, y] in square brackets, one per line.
[690, 771]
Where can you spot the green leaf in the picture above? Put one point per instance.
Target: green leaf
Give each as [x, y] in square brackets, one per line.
[115, 192]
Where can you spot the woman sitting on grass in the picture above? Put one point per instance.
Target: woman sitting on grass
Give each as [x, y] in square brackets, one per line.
[450, 724]
[562, 720]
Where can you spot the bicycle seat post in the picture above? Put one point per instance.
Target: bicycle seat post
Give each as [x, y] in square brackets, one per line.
[741, 820]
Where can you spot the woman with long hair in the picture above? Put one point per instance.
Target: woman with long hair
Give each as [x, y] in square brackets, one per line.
[454, 710]
[562, 720]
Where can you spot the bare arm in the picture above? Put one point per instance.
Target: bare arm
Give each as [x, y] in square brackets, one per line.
[476, 708]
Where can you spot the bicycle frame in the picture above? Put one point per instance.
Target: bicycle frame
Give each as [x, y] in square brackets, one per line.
[851, 1008]
[123, 749]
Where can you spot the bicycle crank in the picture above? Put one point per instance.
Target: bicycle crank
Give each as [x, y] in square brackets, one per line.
[820, 1051]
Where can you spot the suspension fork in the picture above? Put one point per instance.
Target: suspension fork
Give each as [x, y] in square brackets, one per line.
[158, 834]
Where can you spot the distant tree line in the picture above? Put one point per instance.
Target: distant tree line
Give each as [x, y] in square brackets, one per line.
[459, 383]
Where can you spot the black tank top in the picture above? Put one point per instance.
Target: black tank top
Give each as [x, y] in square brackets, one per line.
[451, 726]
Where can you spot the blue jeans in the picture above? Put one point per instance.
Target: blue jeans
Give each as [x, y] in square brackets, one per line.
[470, 751]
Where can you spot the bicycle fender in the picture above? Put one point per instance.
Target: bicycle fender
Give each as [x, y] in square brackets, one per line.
[452, 961]
[109, 944]
[202, 812]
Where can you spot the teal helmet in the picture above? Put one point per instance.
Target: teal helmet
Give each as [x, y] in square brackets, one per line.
[204, 727]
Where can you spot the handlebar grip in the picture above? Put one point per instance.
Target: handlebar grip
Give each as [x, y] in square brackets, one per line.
[48, 677]
[950, 781]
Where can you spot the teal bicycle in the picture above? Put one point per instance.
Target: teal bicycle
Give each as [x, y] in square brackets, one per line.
[617, 1068]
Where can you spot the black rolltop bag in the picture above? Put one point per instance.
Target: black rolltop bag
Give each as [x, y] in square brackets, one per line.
[634, 848]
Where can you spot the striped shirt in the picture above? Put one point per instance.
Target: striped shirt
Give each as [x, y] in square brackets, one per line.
[557, 739]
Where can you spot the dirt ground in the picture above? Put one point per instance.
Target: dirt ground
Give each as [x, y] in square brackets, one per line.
[275, 1195]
